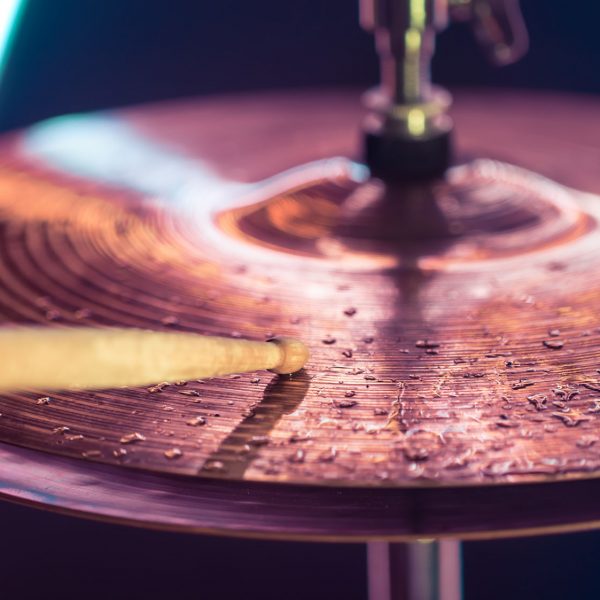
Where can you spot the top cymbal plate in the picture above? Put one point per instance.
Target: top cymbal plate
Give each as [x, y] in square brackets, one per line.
[459, 359]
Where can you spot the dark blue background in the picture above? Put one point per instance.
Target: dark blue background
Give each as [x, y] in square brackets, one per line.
[74, 55]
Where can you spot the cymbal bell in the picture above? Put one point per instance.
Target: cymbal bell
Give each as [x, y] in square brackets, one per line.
[452, 344]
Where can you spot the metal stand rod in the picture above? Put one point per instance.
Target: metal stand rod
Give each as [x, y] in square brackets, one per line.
[425, 570]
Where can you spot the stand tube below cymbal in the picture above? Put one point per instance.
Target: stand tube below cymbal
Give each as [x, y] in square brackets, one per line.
[424, 570]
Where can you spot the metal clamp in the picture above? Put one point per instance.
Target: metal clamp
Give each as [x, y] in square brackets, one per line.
[408, 130]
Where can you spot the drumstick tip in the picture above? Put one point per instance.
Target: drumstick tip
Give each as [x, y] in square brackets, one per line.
[294, 355]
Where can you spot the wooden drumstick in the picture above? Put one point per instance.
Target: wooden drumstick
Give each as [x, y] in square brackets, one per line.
[86, 358]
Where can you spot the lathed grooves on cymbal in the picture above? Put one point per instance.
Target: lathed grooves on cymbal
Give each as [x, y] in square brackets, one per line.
[448, 369]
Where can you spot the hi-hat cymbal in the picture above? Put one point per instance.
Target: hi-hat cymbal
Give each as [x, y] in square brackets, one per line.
[466, 358]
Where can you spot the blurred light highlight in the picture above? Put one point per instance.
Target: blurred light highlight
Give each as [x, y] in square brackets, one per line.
[10, 12]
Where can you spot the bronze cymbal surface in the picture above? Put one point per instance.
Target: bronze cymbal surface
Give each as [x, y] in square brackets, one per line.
[464, 359]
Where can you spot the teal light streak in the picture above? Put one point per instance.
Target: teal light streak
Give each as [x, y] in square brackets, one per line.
[10, 13]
